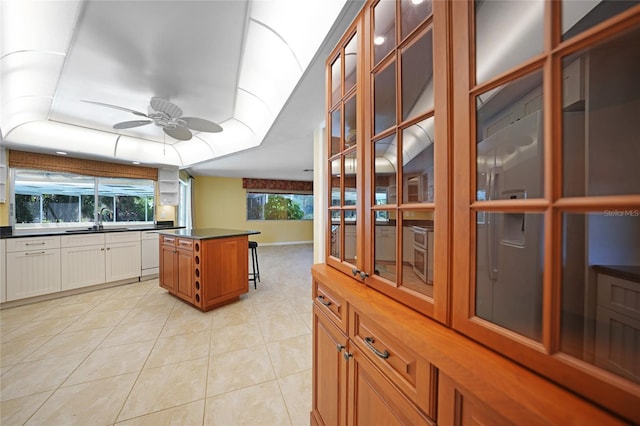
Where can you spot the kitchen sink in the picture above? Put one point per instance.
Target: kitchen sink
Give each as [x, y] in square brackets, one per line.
[85, 231]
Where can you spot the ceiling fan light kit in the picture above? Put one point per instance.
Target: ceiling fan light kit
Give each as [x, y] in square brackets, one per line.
[167, 115]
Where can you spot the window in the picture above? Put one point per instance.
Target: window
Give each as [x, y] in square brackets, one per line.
[52, 198]
[268, 206]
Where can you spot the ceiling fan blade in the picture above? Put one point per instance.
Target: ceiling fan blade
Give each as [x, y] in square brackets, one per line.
[130, 124]
[180, 133]
[162, 105]
[141, 114]
[202, 125]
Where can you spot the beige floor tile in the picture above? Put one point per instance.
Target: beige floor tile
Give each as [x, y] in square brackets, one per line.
[132, 290]
[117, 304]
[183, 347]
[39, 328]
[256, 405]
[184, 415]
[70, 310]
[240, 312]
[26, 313]
[17, 411]
[111, 361]
[238, 369]
[94, 297]
[38, 376]
[280, 308]
[291, 355]
[158, 313]
[133, 333]
[68, 343]
[235, 337]
[94, 403]
[156, 299]
[276, 328]
[16, 351]
[97, 319]
[165, 387]
[186, 319]
[296, 390]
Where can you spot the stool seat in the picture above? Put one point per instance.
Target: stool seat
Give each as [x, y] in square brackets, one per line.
[255, 274]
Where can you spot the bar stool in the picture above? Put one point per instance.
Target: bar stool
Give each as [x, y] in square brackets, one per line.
[255, 275]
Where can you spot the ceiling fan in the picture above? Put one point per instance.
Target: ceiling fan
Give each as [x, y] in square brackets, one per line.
[167, 115]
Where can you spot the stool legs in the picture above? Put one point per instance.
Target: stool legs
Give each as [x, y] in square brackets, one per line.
[255, 275]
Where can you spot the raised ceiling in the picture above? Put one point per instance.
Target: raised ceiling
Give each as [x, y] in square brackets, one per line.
[254, 67]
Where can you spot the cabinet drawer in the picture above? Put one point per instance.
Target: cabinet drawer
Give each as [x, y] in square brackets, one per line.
[35, 243]
[150, 235]
[619, 295]
[332, 305]
[81, 240]
[412, 374]
[122, 237]
[168, 240]
[184, 244]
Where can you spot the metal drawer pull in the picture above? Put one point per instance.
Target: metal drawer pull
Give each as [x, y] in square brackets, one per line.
[322, 300]
[339, 347]
[34, 252]
[35, 244]
[369, 342]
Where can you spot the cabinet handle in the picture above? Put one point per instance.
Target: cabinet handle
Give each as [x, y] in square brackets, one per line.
[108, 248]
[369, 342]
[34, 253]
[339, 347]
[354, 271]
[41, 243]
[347, 355]
[322, 300]
[102, 249]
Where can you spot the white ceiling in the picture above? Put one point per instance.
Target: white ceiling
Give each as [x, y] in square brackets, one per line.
[208, 57]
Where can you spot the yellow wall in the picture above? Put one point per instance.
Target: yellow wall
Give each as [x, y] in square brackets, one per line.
[4, 214]
[222, 203]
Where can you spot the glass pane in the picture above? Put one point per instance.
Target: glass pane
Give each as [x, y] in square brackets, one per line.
[413, 12]
[509, 154]
[601, 289]
[351, 63]
[350, 187]
[125, 200]
[335, 233]
[385, 244]
[335, 132]
[578, 16]
[350, 236]
[350, 123]
[509, 265]
[507, 33]
[601, 149]
[336, 93]
[417, 162]
[385, 167]
[417, 251]
[384, 29]
[417, 77]
[384, 99]
[336, 195]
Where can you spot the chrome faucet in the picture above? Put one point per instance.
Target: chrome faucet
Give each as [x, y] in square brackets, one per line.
[101, 214]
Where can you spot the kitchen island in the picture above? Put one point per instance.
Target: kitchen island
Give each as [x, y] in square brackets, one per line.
[205, 267]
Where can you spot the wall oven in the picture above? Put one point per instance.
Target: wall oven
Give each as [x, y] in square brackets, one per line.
[423, 253]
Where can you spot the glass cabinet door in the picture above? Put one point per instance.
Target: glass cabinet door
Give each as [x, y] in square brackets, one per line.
[547, 190]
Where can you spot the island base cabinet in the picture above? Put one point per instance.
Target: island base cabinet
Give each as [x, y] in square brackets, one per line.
[223, 270]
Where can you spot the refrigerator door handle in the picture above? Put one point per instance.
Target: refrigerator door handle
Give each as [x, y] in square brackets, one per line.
[492, 240]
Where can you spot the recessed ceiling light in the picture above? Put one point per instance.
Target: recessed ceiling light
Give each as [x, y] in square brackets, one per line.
[416, 1]
[378, 40]
[61, 153]
[136, 162]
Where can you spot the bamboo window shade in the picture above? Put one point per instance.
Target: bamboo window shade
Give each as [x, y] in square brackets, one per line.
[53, 163]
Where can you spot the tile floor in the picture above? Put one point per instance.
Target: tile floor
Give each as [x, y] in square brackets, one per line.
[134, 355]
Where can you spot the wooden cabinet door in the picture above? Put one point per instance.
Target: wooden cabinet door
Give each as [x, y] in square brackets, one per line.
[168, 267]
[329, 372]
[374, 400]
[184, 259]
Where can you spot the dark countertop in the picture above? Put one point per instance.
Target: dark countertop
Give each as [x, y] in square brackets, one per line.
[625, 272]
[50, 232]
[208, 233]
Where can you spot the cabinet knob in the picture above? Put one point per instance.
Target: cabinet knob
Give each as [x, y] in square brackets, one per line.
[339, 347]
[346, 356]
[322, 300]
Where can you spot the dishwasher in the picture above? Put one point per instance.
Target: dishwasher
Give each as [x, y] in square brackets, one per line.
[150, 253]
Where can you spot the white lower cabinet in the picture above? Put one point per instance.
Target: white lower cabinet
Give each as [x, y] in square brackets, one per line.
[33, 267]
[90, 259]
[3, 271]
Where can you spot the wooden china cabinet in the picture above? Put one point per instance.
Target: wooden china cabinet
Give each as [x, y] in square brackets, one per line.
[483, 231]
